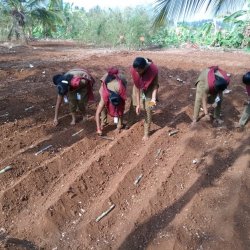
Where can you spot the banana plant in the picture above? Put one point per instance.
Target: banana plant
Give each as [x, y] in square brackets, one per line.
[240, 26]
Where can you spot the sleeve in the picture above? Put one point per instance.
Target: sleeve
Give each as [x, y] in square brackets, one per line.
[202, 76]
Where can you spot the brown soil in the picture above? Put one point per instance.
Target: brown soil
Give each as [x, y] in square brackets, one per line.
[52, 200]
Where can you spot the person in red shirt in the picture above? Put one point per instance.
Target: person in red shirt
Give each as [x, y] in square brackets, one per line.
[145, 78]
[112, 99]
[76, 88]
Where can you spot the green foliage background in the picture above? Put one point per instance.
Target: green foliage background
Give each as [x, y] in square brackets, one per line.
[55, 20]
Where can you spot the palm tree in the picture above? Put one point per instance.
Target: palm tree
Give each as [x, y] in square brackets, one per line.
[14, 9]
[48, 18]
[183, 9]
[26, 12]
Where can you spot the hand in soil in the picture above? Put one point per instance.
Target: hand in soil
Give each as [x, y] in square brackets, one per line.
[55, 122]
[84, 119]
[152, 104]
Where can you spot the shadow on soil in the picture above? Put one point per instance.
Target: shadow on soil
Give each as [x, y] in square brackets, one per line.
[146, 232]
[14, 243]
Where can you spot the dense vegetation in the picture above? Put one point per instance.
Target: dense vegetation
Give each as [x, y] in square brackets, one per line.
[36, 19]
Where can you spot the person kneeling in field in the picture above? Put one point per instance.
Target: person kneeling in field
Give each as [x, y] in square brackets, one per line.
[246, 113]
[75, 87]
[209, 87]
[113, 97]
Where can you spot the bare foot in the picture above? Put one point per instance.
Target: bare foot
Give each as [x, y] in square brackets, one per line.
[127, 126]
[207, 117]
[104, 125]
[55, 122]
[73, 122]
[193, 123]
[238, 125]
[84, 119]
[118, 130]
[218, 121]
[99, 132]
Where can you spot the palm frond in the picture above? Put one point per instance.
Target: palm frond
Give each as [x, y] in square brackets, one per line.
[234, 16]
[207, 27]
[56, 5]
[45, 16]
[222, 6]
[184, 9]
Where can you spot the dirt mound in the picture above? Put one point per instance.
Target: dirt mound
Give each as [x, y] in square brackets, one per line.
[70, 189]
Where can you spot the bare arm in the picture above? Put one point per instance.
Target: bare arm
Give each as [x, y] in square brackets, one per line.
[137, 93]
[99, 109]
[154, 94]
[58, 104]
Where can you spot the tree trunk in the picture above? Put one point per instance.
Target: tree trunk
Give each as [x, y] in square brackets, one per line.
[17, 32]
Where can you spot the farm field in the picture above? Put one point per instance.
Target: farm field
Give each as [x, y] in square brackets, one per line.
[189, 190]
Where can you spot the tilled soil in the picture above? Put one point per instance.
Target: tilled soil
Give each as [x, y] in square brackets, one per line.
[189, 190]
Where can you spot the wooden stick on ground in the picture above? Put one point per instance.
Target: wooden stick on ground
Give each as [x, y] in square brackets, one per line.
[77, 132]
[41, 151]
[105, 213]
[173, 132]
[107, 138]
[5, 169]
[31, 107]
[6, 114]
[137, 180]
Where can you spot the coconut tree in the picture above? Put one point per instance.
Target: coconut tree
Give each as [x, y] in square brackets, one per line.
[15, 10]
[25, 12]
[47, 18]
[184, 9]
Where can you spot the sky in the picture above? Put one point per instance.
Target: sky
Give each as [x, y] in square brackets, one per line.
[88, 4]
[105, 4]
